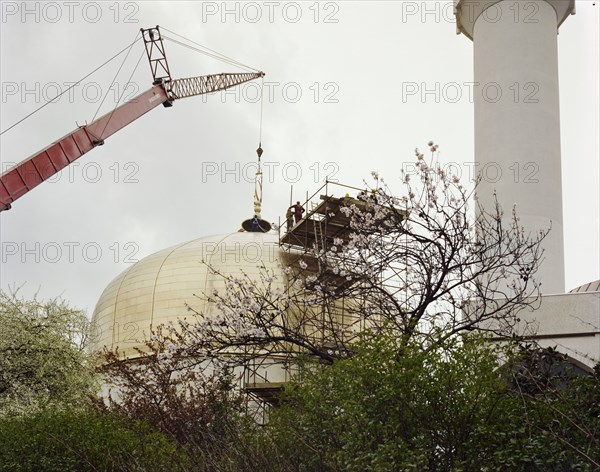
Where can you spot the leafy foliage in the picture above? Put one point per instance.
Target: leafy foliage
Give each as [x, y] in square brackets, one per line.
[43, 358]
[194, 400]
[444, 409]
[563, 401]
[83, 440]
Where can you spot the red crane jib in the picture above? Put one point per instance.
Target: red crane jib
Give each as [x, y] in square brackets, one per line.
[42, 165]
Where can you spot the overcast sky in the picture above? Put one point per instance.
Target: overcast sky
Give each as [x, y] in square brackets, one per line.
[340, 99]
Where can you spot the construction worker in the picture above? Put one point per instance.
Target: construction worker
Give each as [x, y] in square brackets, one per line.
[255, 228]
[298, 210]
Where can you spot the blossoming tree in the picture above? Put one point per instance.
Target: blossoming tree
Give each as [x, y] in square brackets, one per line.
[424, 265]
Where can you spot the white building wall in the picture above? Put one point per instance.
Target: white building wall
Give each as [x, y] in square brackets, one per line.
[570, 322]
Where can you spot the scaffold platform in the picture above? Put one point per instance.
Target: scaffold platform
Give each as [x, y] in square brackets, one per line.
[322, 224]
[267, 392]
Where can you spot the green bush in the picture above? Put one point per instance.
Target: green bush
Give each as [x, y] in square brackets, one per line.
[449, 408]
[64, 441]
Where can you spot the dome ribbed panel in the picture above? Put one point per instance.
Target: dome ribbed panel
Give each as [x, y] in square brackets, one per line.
[156, 289]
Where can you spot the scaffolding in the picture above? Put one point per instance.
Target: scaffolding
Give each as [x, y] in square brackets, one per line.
[323, 228]
[262, 392]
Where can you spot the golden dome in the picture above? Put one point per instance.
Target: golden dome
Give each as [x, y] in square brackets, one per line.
[157, 289]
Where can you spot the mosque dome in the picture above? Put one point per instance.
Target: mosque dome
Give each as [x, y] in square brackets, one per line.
[158, 288]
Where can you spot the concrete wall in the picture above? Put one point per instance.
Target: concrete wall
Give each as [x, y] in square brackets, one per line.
[570, 322]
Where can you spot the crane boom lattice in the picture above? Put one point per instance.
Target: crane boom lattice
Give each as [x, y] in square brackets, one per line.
[192, 86]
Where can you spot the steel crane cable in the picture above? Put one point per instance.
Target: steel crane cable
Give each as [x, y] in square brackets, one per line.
[258, 183]
[121, 96]
[262, 97]
[68, 88]
[115, 78]
[215, 56]
[211, 52]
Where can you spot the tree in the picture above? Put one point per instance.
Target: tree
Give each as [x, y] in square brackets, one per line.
[378, 320]
[43, 358]
[193, 400]
[448, 408]
[407, 266]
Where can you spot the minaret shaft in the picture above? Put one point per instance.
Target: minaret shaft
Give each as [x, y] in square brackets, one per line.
[517, 120]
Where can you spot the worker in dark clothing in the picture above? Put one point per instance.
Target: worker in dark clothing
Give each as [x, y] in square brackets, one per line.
[298, 210]
[255, 228]
[289, 218]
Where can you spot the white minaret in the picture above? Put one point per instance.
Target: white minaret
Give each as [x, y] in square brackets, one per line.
[517, 116]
